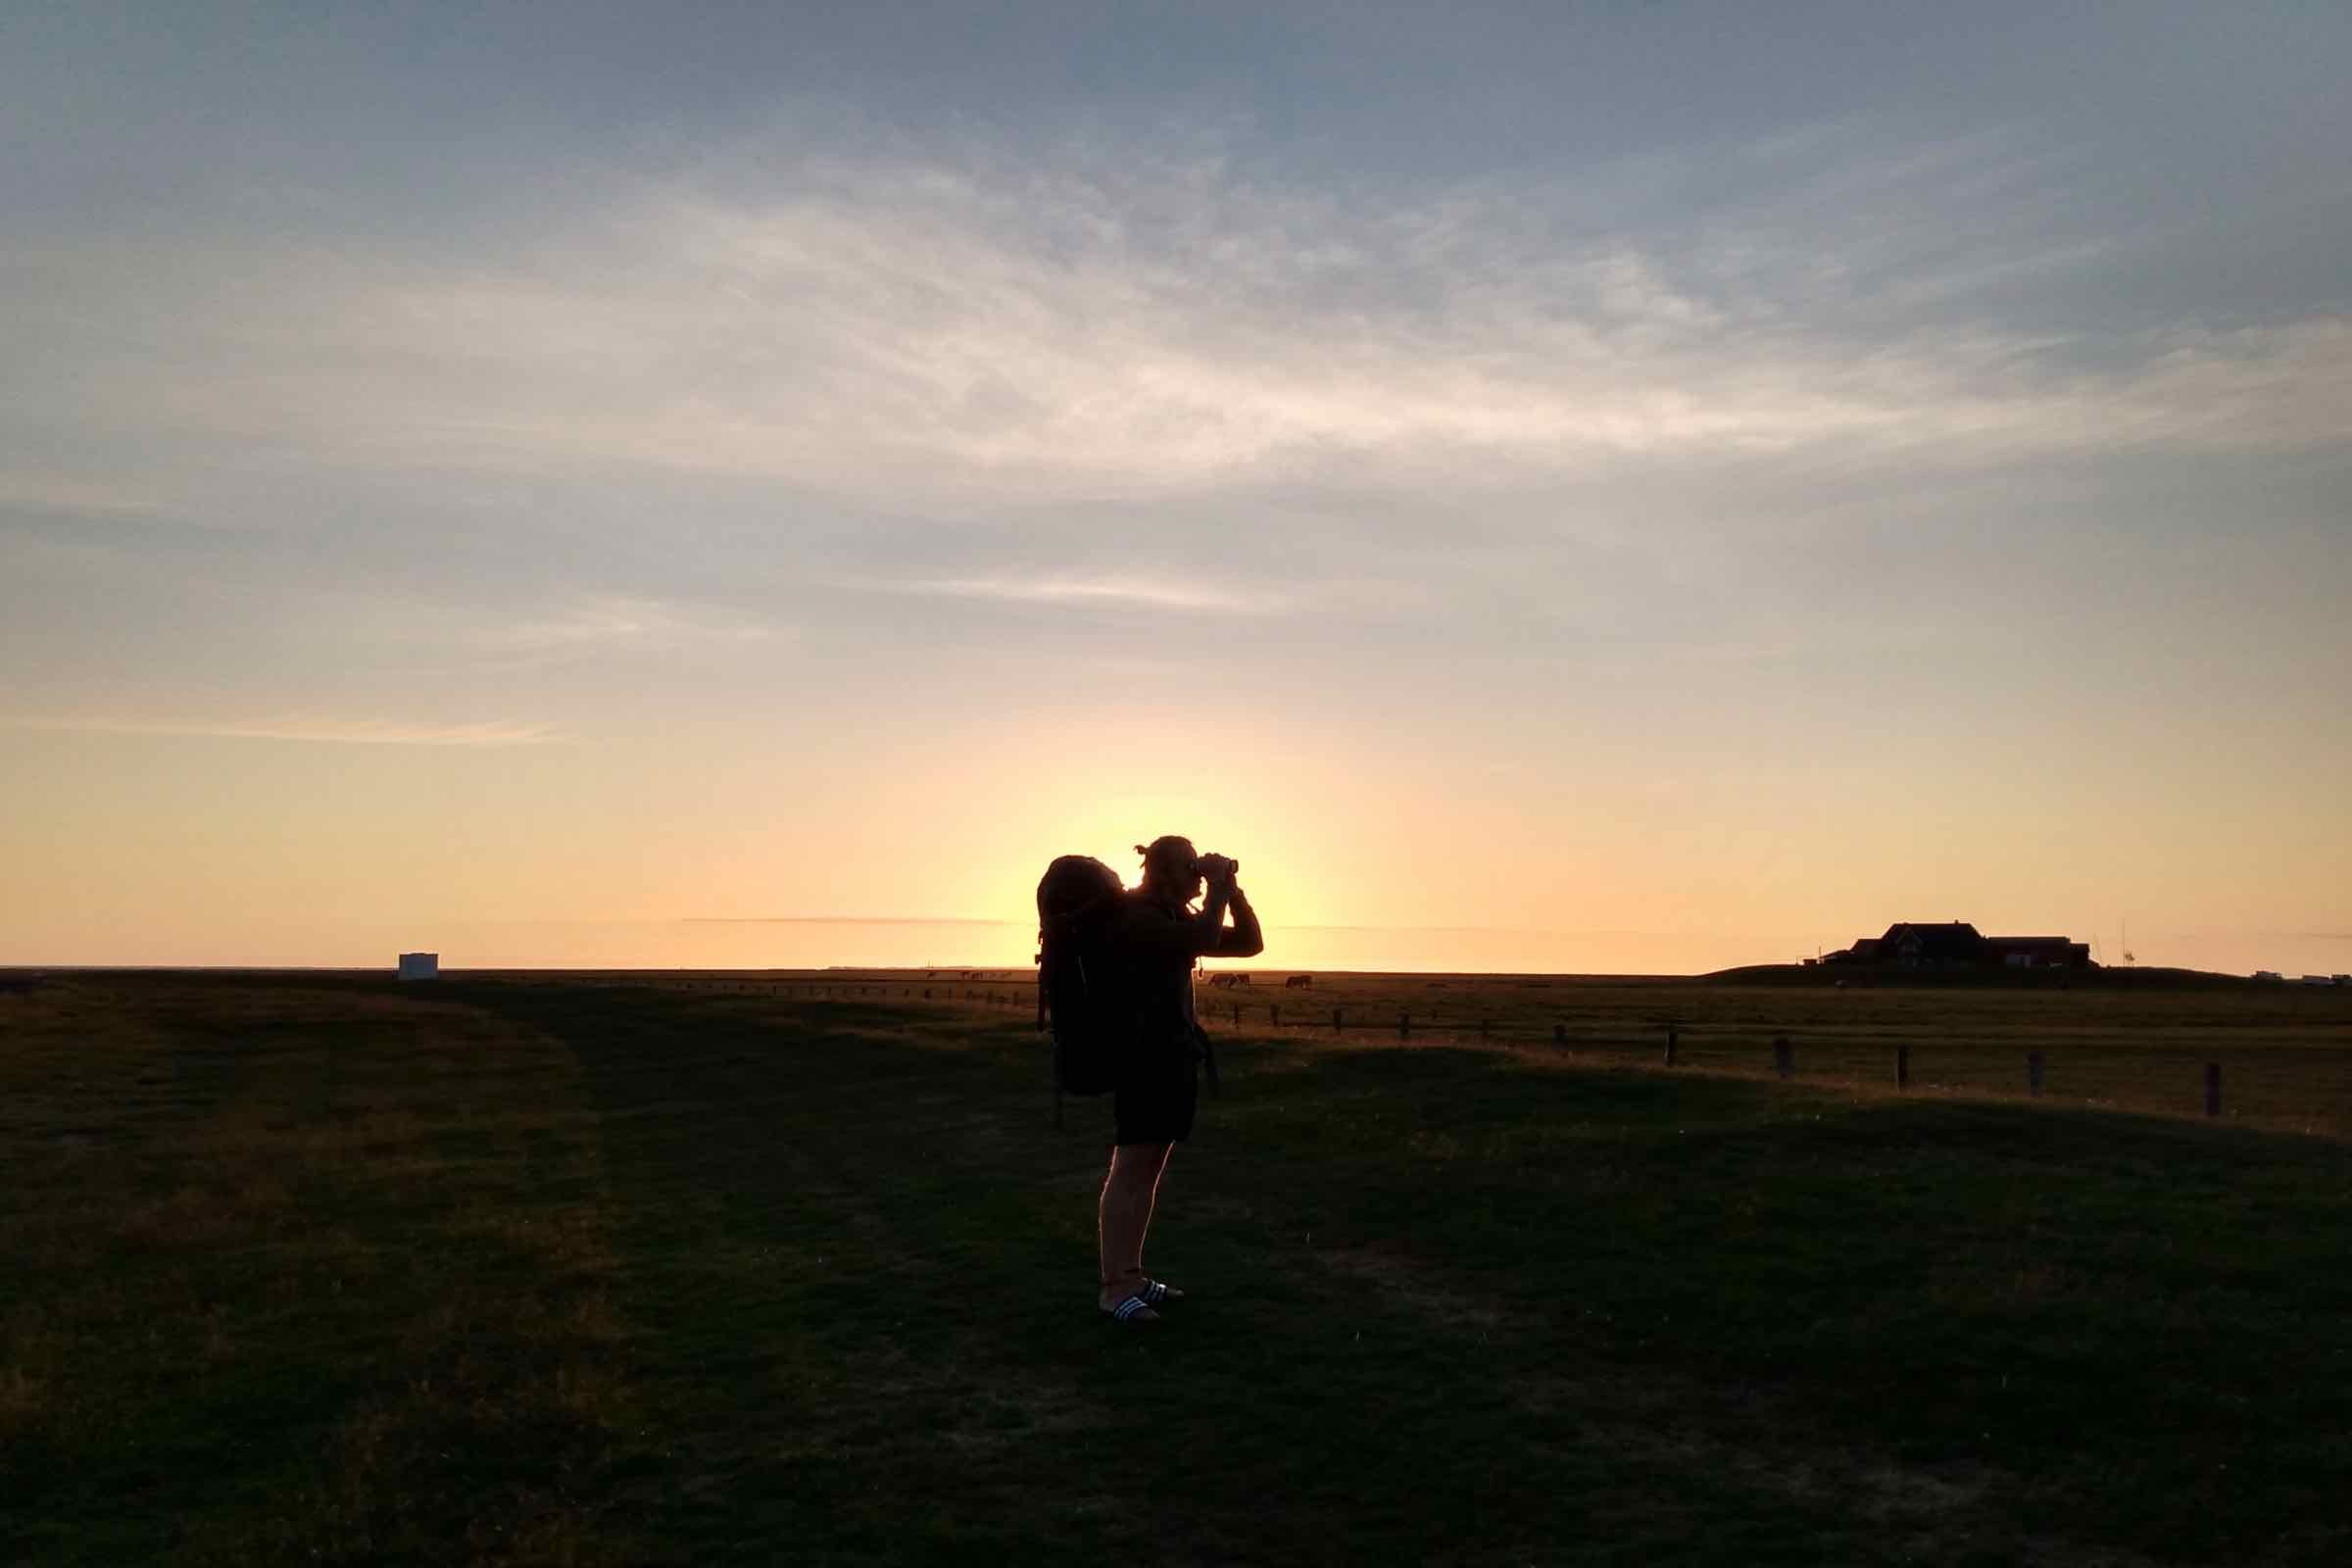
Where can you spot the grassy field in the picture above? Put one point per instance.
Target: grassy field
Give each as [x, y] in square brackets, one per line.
[318, 1269]
[2117, 1040]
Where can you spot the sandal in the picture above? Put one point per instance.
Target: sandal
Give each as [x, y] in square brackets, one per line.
[1157, 1292]
[1133, 1309]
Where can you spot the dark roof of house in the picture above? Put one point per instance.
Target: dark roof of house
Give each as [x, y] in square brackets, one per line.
[1955, 941]
[1953, 938]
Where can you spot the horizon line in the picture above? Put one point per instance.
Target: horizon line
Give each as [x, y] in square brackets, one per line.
[1385, 930]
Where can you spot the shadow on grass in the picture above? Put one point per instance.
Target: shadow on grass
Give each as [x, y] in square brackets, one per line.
[1452, 1306]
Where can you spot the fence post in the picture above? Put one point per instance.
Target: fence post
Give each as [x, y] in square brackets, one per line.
[1405, 1025]
[1335, 1021]
[1481, 1028]
[1902, 1066]
[1237, 1016]
[1559, 1034]
[1670, 1044]
[2213, 1089]
[1784, 1059]
[2033, 1074]
[1274, 1014]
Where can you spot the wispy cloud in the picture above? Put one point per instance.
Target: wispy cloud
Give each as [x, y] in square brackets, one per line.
[545, 629]
[73, 494]
[1142, 593]
[958, 323]
[840, 919]
[610, 620]
[352, 732]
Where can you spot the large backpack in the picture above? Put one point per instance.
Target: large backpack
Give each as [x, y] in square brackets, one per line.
[1085, 992]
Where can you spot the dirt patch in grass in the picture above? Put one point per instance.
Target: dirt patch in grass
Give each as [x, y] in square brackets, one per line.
[1399, 1280]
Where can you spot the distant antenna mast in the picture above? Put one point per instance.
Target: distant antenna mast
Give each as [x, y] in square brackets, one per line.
[2124, 942]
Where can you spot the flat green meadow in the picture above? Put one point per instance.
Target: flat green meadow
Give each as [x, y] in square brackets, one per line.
[322, 1269]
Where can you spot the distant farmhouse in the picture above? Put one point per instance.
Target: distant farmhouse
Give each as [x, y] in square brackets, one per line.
[1957, 944]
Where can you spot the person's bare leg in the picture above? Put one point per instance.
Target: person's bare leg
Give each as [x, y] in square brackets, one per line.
[1129, 1192]
[1158, 1168]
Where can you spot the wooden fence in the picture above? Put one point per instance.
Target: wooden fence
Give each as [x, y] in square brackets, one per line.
[1672, 1041]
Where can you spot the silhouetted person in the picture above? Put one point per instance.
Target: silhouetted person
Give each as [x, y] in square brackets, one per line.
[1159, 1084]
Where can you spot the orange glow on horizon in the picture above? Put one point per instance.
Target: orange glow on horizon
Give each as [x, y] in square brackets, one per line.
[1356, 856]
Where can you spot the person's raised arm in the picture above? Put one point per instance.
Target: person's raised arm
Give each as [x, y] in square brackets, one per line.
[1244, 940]
[1208, 926]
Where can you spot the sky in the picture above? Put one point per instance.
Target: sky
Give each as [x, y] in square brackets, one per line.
[1624, 488]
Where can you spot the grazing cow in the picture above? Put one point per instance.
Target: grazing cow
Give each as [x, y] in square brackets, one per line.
[1298, 982]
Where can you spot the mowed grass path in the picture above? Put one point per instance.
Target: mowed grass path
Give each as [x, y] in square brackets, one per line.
[328, 1271]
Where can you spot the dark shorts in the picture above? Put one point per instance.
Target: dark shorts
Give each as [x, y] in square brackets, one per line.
[1155, 1101]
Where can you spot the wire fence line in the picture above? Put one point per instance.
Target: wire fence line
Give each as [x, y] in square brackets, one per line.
[2275, 1087]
